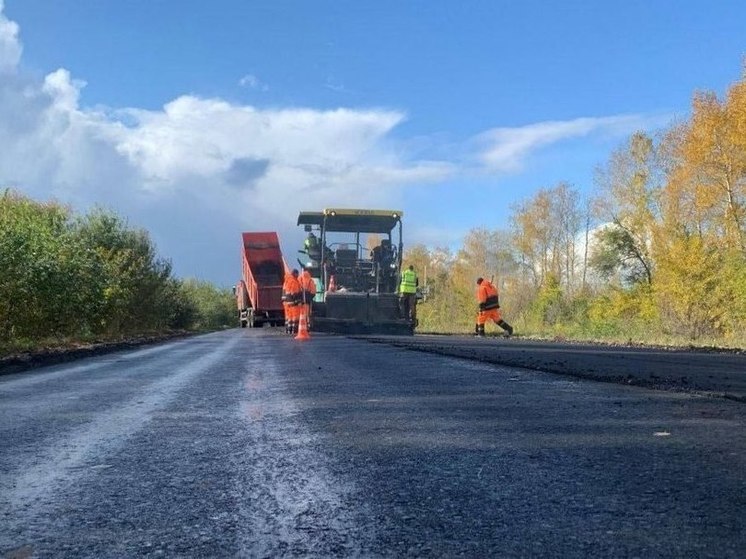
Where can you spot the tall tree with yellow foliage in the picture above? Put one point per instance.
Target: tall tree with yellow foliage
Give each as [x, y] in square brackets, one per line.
[545, 230]
[700, 245]
[708, 186]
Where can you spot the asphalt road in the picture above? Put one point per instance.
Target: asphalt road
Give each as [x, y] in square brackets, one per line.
[248, 444]
[715, 372]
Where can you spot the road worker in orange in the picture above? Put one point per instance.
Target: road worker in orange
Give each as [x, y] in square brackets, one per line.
[489, 308]
[291, 294]
[308, 292]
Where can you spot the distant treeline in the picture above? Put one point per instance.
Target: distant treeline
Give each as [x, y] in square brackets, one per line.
[657, 252]
[87, 277]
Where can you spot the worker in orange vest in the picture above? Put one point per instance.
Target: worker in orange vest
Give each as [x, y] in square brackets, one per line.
[308, 292]
[489, 308]
[291, 294]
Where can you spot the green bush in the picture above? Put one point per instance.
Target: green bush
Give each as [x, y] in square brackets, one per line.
[69, 277]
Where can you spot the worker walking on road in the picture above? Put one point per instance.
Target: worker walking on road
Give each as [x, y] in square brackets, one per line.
[308, 292]
[408, 294]
[489, 308]
[291, 300]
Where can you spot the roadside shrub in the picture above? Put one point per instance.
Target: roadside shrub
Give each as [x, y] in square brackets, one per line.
[70, 277]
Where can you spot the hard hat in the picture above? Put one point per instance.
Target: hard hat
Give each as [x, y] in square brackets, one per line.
[479, 280]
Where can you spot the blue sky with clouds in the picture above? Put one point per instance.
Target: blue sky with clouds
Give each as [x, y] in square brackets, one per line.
[200, 119]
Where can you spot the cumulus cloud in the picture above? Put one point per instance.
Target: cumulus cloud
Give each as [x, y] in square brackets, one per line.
[244, 171]
[10, 46]
[63, 91]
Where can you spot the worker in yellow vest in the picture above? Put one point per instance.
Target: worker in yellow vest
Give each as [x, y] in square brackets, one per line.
[408, 294]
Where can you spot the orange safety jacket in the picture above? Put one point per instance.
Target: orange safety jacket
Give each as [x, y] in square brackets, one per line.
[291, 289]
[308, 286]
[487, 296]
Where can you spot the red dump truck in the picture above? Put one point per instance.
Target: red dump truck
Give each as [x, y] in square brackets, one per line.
[259, 293]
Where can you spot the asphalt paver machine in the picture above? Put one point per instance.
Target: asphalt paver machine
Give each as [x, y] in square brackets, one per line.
[356, 257]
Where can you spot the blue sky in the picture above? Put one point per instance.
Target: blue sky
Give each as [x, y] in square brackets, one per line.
[198, 120]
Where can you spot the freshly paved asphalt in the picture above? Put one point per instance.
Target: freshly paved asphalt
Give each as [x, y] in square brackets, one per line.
[716, 372]
[248, 444]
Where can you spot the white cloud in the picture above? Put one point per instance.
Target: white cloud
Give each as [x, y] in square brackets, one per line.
[10, 46]
[64, 91]
[289, 156]
[506, 149]
[252, 82]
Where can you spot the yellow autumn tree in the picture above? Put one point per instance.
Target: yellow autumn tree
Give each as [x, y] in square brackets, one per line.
[440, 311]
[712, 171]
[700, 246]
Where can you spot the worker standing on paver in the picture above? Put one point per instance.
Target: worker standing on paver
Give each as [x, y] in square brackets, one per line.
[312, 247]
[308, 292]
[408, 294]
[489, 308]
[291, 301]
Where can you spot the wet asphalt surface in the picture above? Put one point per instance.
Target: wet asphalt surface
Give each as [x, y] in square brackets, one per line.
[246, 443]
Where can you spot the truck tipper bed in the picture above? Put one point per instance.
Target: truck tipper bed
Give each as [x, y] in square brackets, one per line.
[259, 292]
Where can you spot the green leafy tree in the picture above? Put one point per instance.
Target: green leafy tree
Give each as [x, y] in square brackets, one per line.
[43, 270]
[136, 293]
[629, 201]
[212, 308]
[616, 255]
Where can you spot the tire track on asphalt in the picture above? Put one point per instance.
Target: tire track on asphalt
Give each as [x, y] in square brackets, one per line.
[78, 396]
[35, 482]
[293, 503]
[19, 381]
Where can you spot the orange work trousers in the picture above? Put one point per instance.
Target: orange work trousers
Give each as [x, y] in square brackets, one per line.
[492, 314]
[292, 311]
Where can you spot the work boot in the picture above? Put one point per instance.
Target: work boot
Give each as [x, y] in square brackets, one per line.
[480, 330]
[505, 326]
[476, 329]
